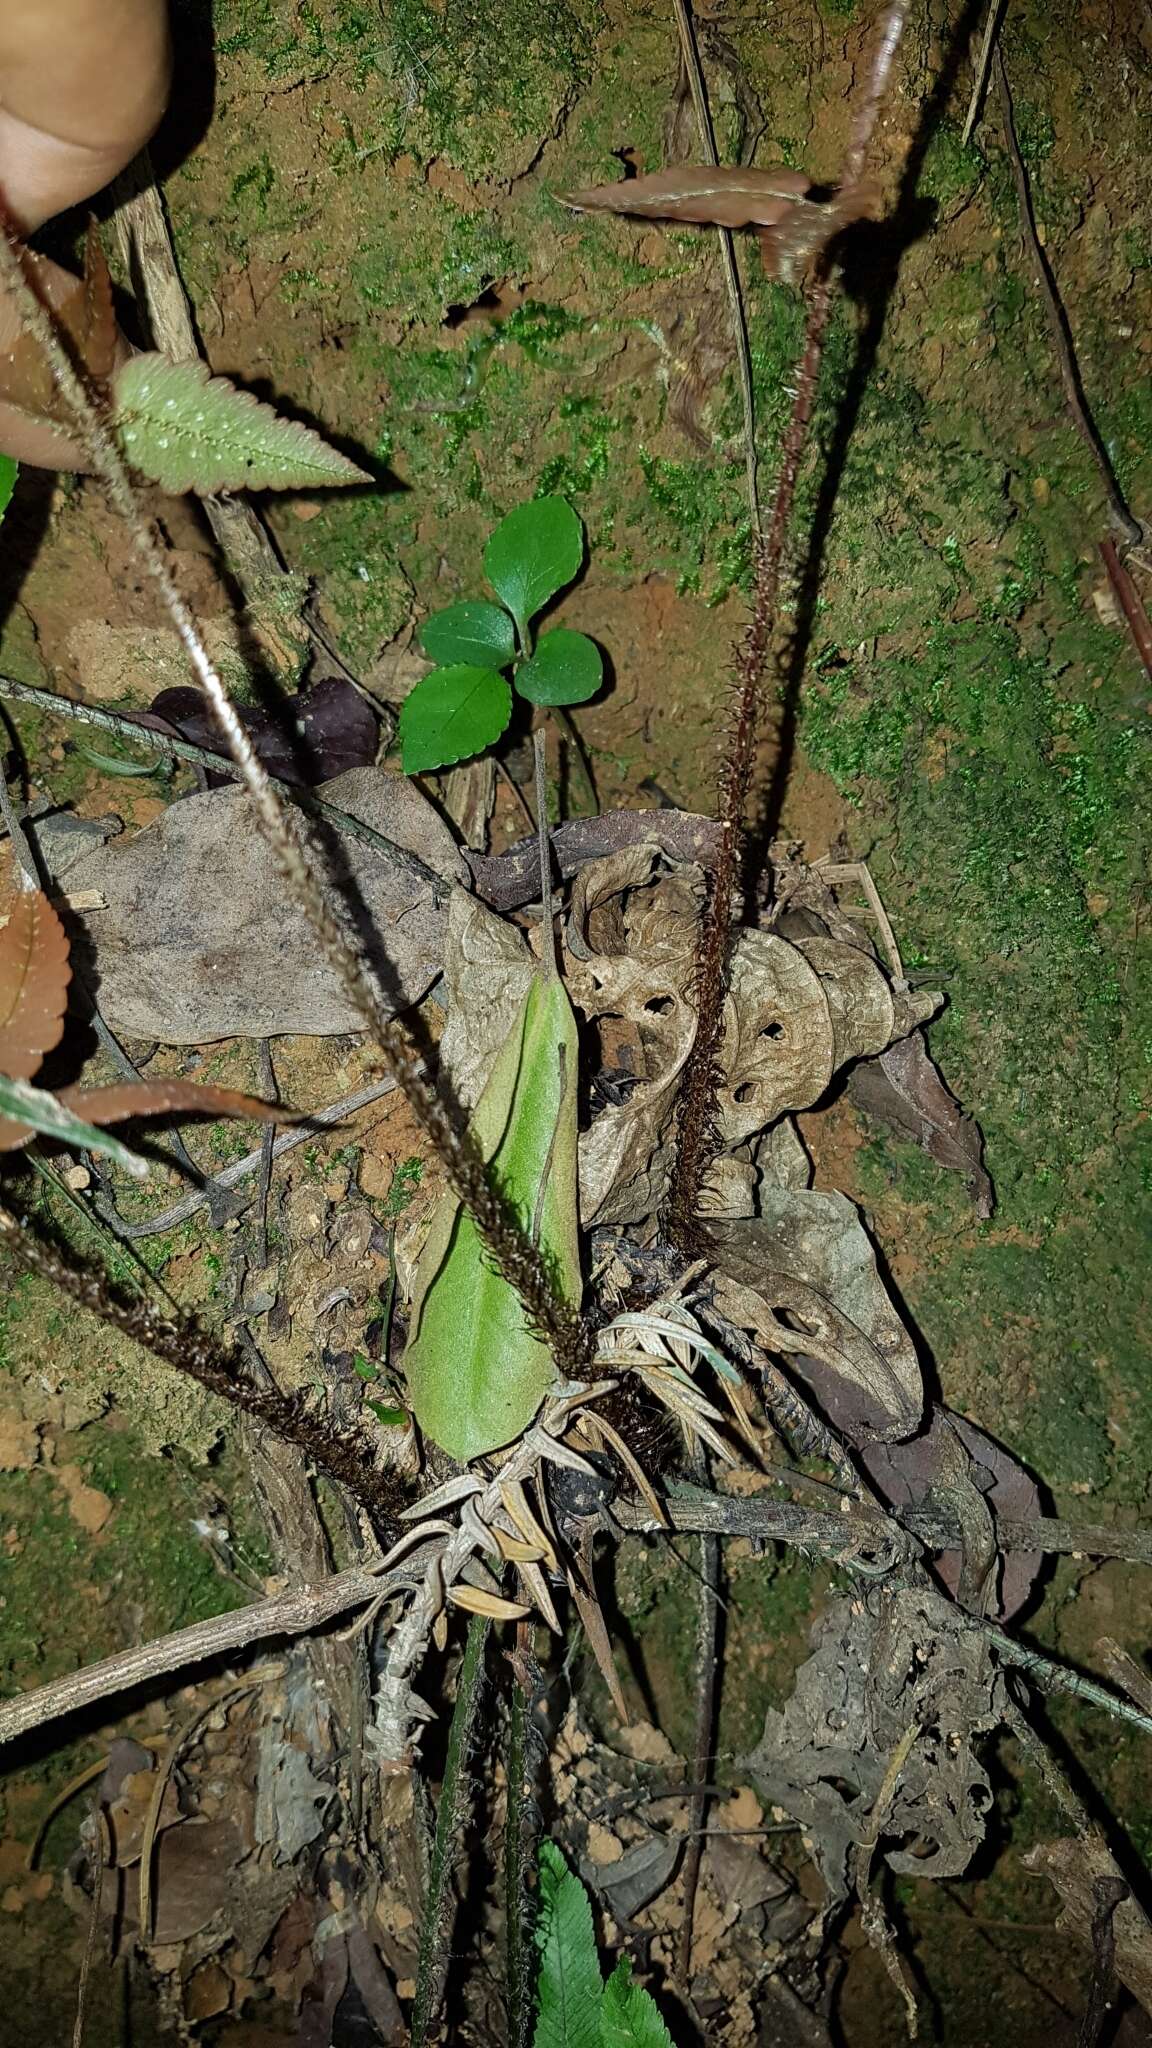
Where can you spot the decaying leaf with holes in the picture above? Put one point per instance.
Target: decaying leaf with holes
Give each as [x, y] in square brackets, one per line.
[794, 1014]
[902, 1665]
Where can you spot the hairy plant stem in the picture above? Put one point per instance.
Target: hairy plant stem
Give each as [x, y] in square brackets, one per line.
[695, 1140]
[558, 1324]
[521, 1832]
[696, 1134]
[182, 1344]
[432, 1960]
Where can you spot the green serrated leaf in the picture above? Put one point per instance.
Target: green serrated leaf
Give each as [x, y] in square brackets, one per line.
[37, 1110]
[9, 471]
[570, 1986]
[190, 431]
[476, 1372]
[565, 669]
[629, 2017]
[451, 714]
[532, 554]
[477, 633]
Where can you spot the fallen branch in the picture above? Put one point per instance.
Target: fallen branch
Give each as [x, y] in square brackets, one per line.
[286, 1614]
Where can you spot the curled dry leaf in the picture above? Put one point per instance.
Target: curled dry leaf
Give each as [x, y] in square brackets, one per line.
[803, 1278]
[34, 978]
[793, 227]
[903, 1088]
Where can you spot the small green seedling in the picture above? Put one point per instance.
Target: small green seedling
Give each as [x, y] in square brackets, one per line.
[574, 2007]
[466, 702]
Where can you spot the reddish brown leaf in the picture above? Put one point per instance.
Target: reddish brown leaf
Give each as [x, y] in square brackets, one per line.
[34, 977]
[86, 314]
[904, 1089]
[798, 235]
[722, 197]
[156, 1098]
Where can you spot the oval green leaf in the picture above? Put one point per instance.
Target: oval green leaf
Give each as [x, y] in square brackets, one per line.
[475, 1370]
[532, 554]
[565, 669]
[481, 635]
[451, 714]
[9, 471]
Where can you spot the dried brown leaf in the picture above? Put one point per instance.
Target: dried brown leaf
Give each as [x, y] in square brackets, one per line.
[156, 1098]
[789, 244]
[719, 196]
[904, 1089]
[34, 977]
[86, 315]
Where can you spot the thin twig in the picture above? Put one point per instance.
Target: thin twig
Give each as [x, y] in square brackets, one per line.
[239, 1170]
[983, 62]
[172, 746]
[1126, 525]
[432, 1960]
[1130, 602]
[737, 316]
[101, 1861]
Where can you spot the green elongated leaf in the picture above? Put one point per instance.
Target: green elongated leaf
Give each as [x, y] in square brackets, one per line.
[476, 1372]
[565, 669]
[570, 1988]
[190, 431]
[475, 632]
[532, 554]
[450, 714]
[629, 2018]
[9, 471]
[25, 1110]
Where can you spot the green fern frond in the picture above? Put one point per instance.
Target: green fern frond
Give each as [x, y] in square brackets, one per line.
[190, 431]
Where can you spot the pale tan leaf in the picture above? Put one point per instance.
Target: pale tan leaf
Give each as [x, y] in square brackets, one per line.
[34, 977]
[718, 196]
[473, 1601]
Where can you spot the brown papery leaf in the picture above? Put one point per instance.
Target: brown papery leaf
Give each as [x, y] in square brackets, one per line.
[718, 197]
[34, 977]
[156, 1098]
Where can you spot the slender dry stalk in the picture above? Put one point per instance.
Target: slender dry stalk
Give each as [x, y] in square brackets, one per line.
[183, 1345]
[696, 1134]
[558, 1325]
